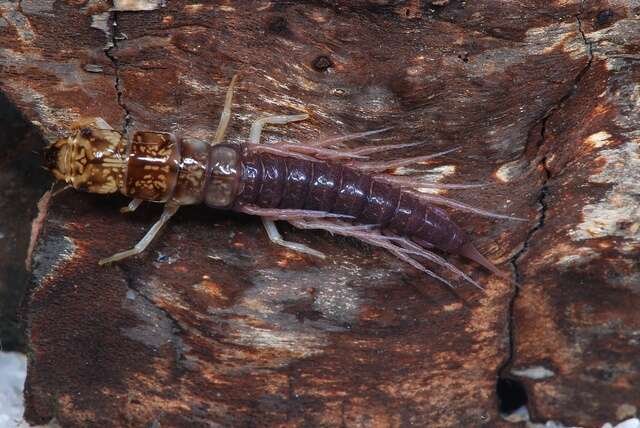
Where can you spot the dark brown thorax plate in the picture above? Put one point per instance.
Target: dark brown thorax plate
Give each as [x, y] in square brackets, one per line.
[153, 166]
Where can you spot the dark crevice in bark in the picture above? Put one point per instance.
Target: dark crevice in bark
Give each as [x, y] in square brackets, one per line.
[503, 375]
[116, 66]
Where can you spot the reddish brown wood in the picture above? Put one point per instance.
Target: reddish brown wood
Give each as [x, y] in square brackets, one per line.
[216, 325]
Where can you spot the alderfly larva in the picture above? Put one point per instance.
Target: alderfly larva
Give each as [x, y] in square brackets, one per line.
[314, 186]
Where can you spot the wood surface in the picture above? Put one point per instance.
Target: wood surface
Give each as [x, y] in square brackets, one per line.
[215, 326]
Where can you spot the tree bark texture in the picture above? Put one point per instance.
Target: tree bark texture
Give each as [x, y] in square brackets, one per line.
[215, 326]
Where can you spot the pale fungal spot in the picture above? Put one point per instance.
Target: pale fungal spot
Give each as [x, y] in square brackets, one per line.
[137, 5]
[511, 170]
[452, 307]
[318, 16]
[193, 8]
[265, 6]
[534, 372]
[225, 8]
[415, 70]
[579, 256]
[626, 410]
[598, 139]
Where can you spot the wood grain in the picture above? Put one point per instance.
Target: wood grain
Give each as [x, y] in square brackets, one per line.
[214, 326]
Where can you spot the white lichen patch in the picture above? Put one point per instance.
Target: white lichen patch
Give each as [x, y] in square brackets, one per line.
[534, 372]
[137, 5]
[618, 214]
[598, 139]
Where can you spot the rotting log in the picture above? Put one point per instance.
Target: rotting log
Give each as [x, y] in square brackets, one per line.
[214, 325]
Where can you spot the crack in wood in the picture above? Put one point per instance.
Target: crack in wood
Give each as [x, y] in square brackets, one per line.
[542, 203]
[118, 81]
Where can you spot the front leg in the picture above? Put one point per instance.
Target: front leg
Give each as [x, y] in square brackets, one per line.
[169, 211]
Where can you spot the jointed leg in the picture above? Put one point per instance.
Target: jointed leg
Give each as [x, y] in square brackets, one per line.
[225, 116]
[287, 214]
[133, 205]
[276, 238]
[169, 211]
[256, 127]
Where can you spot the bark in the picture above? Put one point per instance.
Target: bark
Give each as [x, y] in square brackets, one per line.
[214, 325]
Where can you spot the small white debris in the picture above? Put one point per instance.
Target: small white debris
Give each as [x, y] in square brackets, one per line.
[100, 21]
[13, 370]
[629, 423]
[598, 139]
[535, 372]
[137, 5]
[626, 410]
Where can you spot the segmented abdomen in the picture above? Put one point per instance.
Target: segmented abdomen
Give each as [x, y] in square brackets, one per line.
[270, 181]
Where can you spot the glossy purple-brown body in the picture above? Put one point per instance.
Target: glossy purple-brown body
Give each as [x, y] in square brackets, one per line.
[270, 181]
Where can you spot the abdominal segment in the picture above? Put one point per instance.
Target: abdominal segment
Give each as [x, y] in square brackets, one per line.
[277, 182]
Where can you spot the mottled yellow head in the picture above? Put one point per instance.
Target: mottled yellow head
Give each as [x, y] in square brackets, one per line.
[91, 159]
